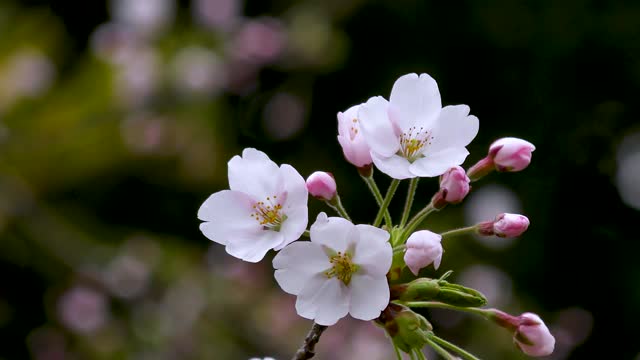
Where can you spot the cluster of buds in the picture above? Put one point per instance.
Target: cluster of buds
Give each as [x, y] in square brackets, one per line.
[355, 269]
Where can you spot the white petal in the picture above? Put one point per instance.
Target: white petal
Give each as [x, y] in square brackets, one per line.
[226, 205]
[334, 232]
[395, 166]
[255, 174]
[455, 128]
[229, 216]
[295, 187]
[436, 164]
[415, 101]
[437, 261]
[253, 248]
[369, 296]
[377, 128]
[373, 251]
[298, 262]
[324, 300]
[293, 227]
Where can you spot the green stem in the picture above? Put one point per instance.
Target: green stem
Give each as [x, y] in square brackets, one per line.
[455, 348]
[419, 354]
[336, 204]
[413, 185]
[306, 233]
[399, 248]
[417, 220]
[412, 355]
[373, 187]
[396, 350]
[387, 200]
[440, 350]
[457, 232]
[439, 305]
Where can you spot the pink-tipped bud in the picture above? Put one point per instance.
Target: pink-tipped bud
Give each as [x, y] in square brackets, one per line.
[533, 337]
[355, 149]
[455, 185]
[423, 248]
[511, 154]
[322, 185]
[510, 225]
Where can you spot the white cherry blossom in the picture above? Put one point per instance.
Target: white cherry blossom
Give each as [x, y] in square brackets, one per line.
[341, 271]
[411, 135]
[265, 208]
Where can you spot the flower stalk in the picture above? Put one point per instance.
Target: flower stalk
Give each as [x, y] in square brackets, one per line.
[307, 350]
[452, 347]
[387, 200]
[458, 232]
[336, 205]
[413, 185]
[417, 220]
[373, 187]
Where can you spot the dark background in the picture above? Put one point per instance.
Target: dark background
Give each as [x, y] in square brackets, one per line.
[564, 75]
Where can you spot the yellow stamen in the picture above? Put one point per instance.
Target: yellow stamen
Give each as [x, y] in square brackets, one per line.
[269, 214]
[343, 268]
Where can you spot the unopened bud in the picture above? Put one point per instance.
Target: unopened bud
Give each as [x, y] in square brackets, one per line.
[511, 154]
[533, 337]
[505, 155]
[354, 147]
[423, 248]
[322, 185]
[510, 225]
[505, 225]
[425, 289]
[454, 184]
[530, 334]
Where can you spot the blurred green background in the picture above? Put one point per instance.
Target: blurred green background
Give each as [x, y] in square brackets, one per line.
[117, 119]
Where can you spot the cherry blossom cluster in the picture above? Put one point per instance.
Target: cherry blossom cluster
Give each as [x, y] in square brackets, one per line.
[337, 268]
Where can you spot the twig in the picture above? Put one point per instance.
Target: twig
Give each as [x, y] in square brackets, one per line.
[307, 350]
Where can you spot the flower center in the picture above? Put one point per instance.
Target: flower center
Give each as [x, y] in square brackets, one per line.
[269, 214]
[413, 142]
[343, 268]
[353, 131]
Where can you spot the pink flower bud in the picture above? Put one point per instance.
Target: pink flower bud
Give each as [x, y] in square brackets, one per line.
[511, 154]
[322, 185]
[510, 225]
[533, 337]
[423, 248]
[455, 183]
[355, 149]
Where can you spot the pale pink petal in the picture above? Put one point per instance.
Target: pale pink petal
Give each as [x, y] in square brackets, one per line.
[226, 205]
[228, 216]
[298, 262]
[295, 186]
[333, 232]
[395, 166]
[369, 296]
[373, 252]
[324, 300]
[255, 174]
[253, 247]
[455, 128]
[415, 101]
[377, 128]
[293, 227]
[224, 234]
[436, 164]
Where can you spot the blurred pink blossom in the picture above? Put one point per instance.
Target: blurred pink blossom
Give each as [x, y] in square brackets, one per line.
[259, 41]
[83, 309]
[217, 14]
